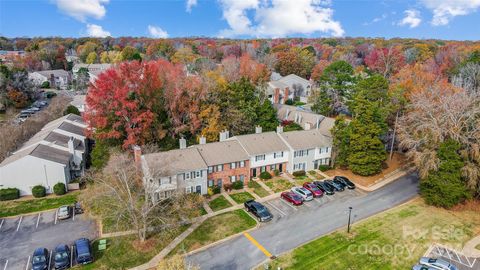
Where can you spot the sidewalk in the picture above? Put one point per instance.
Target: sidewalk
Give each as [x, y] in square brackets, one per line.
[470, 249]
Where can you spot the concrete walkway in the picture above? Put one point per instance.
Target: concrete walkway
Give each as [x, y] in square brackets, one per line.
[260, 182]
[207, 208]
[156, 260]
[470, 249]
[290, 179]
[229, 199]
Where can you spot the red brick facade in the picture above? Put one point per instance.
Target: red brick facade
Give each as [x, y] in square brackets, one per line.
[276, 96]
[227, 172]
[282, 167]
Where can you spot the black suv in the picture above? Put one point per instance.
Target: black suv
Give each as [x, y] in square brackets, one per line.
[40, 259]
[260, 211]
[326, 188]
[345, 181]
[61, 259]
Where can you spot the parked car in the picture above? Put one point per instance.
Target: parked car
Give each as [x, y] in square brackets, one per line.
[82, 251]
[326, 188]
[345, 181]
[34, 109]
[335, 185]
[303, 192]
[313, 189]
[422, 267]
[40, 259]
[77, 208]
[437, 264]
[258, 210]
[292, 198]
[64, 212]
[61, 259]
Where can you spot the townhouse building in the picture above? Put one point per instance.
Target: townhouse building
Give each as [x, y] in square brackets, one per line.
[56, 154]
[308, 149]
[227, 162]
[165, 173]
[267, 152]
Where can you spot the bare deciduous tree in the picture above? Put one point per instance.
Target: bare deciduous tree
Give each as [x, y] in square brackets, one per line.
[121, 195]
[436, 115]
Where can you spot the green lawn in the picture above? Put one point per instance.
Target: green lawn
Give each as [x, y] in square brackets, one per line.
[242, 197]
[219, 203]
[123, 252]
[257, 189]
[17, 207]
[278, 184]
[216, 228]
[478, 247]
[392, 240]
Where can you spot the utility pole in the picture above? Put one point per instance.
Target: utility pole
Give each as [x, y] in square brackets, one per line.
[393, 139]
[349, 216]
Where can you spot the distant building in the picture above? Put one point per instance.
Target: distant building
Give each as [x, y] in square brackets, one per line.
[305, 118]
[289, 87]
[8, 56]
[79, 102]
[58, 78]
[56, 154]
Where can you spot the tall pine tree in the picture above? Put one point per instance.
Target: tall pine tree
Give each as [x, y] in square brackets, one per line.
[341, 141]
[367, 152]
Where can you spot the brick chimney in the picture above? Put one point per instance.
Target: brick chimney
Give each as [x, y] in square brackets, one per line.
[183, 143]
[276, 96]
[137, 155]
[285, 92]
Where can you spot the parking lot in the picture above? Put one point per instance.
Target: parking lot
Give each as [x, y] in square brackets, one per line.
[456, 258]
[284, 210]
[20, 236]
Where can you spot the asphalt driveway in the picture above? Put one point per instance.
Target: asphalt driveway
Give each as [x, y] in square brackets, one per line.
[303, 224]
[20, 236]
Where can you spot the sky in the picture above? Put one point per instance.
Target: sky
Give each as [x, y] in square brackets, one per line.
[440, 19]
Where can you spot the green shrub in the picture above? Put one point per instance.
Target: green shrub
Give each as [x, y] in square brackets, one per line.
[50, 94]
[216, 189]
[265, 175]
[39, 191]
[9, 194]
[59, 189]
[276, 172]
[100, 154]
[289, 102]
[45, 84]
[71, 109]
[227, 187]
[298, 173]
[324, 168]
[237, 185]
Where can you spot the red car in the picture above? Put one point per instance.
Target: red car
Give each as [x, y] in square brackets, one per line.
[313, 188]
[292, 198]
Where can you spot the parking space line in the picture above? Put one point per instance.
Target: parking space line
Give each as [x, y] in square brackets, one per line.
[293, 207]
[49, 260]
[1, 223]
[249, 237]
[38, 219]
[6, 263]
[28, 263]
[276, 208]
[71, 256]
[19, 222]
[56, 215]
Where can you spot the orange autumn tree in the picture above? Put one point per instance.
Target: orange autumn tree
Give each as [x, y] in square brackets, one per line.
[141, 102]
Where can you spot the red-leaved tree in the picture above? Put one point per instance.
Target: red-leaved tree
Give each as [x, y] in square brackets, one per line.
[386, 61]
[141, 102]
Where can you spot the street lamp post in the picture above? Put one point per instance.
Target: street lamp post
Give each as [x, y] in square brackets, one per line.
[349, 215]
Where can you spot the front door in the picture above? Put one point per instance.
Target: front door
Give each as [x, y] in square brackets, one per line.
[280, 167]
[219, 182]
[315, 164]
[198, 189]
[254, 172]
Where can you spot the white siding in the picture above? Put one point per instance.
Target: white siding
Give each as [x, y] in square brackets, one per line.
[39, 172]
[269, 160]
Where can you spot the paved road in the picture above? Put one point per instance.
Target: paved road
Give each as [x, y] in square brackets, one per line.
[293, 230]
[21, 235]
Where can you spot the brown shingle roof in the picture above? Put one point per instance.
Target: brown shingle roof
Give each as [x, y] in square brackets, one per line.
[261, 143]
[306, 139]
[222, 152]
[174, 161]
